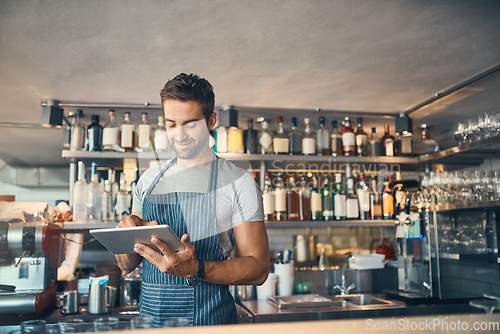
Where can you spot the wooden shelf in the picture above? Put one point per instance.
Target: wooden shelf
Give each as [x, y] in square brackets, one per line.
[333, 223]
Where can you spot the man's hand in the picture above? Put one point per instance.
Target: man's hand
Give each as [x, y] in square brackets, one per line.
[133, 221]
[183, 263]
[128, 262]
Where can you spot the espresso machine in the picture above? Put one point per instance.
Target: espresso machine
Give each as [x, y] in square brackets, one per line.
[29, 257]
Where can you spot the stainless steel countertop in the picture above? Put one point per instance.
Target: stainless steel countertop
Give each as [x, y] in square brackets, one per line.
[263, 311]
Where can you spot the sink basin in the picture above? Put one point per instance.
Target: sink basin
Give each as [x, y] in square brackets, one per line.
[362, 299]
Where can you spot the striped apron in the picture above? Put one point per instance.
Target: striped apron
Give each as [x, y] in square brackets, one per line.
[164, 296]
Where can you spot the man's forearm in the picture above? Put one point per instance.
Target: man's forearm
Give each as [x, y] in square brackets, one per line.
[128, 262]
[244, 270]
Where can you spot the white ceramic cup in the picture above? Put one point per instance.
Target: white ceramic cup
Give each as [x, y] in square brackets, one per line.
[285, 274]
[268, 288]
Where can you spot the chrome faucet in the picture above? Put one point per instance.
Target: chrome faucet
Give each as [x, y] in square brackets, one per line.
[344, 290]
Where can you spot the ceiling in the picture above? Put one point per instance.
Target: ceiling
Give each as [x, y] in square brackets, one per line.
[372, 55]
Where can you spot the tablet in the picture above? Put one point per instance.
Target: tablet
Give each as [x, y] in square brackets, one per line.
[122, 240]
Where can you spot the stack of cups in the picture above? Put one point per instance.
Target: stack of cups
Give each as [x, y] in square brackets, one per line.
[285, 272]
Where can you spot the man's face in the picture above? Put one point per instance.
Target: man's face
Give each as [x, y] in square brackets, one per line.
[186, 127]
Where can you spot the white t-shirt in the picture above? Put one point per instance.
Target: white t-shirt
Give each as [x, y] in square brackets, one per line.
[238, 197]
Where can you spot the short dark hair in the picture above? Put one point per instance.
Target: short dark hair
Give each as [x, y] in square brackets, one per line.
[190, 87]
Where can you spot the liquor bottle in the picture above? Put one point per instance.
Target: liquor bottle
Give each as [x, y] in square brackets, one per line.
[280, 199]
[77, 142]
[327, 199]
[80, 195]
[127, 134]
[361, 139]
[265, 138]
[374, 146]
[375, 201]
[292, 200]
[295, 138]
[352, 205]
[221, 139]
[111, 134]
[304, 200]
[235, 140]
[94, 196]
[268, 198]
[122, 201]
[108, 212]
[308, 142]
[256, 178]
[389, 143]
[281, 142]
[339, 199]
[348, 138]
[133, 186]
[144, 134]
[114, 184]
[322, 138]
[336, 140]
[406, 144]
[425, 145]
[363, 198]
[398, 192]
[316, 200]
[161, 143]
[94, 135]
[251, 139]
[387, 202]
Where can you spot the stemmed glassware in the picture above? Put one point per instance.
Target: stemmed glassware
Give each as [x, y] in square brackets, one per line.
[484, 126]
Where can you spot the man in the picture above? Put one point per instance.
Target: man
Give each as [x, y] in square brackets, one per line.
[208, 202]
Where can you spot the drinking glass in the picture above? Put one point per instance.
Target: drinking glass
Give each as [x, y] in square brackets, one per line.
[33, 327]
[106, 324]
[176, 322]
[75, 325]
[142, 321]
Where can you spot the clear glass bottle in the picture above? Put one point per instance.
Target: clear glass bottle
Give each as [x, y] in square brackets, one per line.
[316, 200]
[363, 194]
[292, 200]
[295, 138]
[128, 134]
[235, 140]
[144, 134]
[77, 142]
[387, 202]
[374, 146]
[327, 199]
[265, 137]
[133, 186]
[268, 198]
[111, 134]
[108, 212]
[348, 138]
[322, 138]
[94, 197]
[94, 135]
[336, 140]
[375, 201]
[221, 139]
[352, 205]
[280, 199]
[281, 142]
[389, 143]
[305, 200]
[361, 139]
[122, 201]
[339, 199]
[308, 142]
[161, 143]
[80, 195]
[114, 184]
[406, 144]
[399, 192]
[251, 139]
